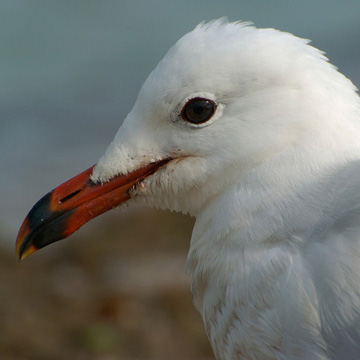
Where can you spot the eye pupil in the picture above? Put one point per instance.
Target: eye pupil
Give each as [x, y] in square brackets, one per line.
[198, 110]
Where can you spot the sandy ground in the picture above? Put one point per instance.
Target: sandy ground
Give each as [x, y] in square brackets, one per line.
[115, 290]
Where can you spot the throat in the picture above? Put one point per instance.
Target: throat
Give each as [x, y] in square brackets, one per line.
[240, 263]
[248, 233]
[234, 282]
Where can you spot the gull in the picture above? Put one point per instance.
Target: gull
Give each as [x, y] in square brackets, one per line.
[255, 134]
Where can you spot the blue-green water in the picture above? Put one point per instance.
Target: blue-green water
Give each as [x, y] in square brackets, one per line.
[71, 70]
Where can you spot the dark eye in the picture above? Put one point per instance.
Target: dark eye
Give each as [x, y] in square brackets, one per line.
[198, 110]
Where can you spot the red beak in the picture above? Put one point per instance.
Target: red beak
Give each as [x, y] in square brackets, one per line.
[69, 206]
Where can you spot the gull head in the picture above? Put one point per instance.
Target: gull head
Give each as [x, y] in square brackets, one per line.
[225, 101]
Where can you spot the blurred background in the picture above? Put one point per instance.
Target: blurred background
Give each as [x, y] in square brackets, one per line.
[70, 71]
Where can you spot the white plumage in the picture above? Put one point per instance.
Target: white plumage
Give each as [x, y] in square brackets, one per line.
[273, 179]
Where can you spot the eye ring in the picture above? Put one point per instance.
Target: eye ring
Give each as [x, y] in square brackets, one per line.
[198, 110]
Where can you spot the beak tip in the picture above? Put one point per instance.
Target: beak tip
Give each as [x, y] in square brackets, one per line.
[24, 243]
[24, 251]
[18, 250]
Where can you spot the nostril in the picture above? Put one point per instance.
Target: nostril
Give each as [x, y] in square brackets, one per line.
[70, 196]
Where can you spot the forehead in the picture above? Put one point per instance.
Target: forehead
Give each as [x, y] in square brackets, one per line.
[223, 58]
[200, 61]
